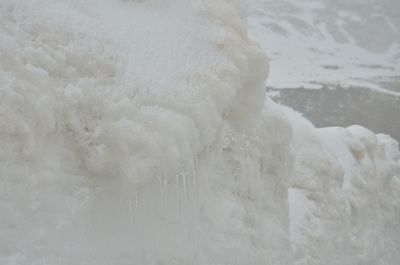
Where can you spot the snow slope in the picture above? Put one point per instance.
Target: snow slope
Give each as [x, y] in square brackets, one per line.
[313, 43]
[139, 132]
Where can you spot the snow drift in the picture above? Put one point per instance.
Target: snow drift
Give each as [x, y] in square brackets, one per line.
[138, 132]
[344, 200]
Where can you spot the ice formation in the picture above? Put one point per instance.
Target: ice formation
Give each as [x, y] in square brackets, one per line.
[139, 132]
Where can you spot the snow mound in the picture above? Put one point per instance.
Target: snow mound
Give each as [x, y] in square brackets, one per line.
[139, 132]
[344, 201]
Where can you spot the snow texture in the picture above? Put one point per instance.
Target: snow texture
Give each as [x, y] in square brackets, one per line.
[139, 132]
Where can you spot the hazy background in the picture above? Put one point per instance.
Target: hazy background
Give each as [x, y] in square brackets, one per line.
[337, 61]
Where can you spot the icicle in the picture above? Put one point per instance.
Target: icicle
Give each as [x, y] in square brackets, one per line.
[165, 192]
[137, 200]
[161, 190]
[195, 175]
[178, 196]
[185, 194]
[243, 149]
[246, 166]
[131, 211]
[160, 185]
[235, 186]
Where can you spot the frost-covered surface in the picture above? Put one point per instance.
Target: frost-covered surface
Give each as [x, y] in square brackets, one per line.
[312, 43]
[138, 132]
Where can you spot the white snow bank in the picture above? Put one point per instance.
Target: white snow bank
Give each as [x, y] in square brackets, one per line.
[128, 132]
[344, 195]
[136, 132]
